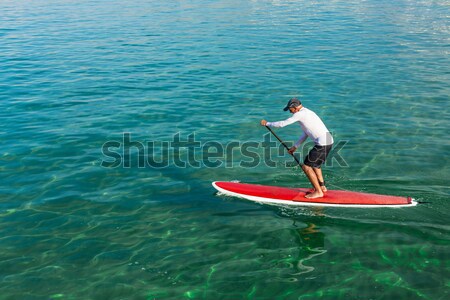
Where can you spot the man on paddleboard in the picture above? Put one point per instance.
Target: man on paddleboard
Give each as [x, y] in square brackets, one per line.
[314, 128]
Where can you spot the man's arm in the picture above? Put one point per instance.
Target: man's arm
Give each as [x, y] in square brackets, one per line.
[302, 138]
[298, 143]
[286, 122]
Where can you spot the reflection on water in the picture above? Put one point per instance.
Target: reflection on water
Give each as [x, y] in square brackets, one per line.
[310, 240]
[313, 244]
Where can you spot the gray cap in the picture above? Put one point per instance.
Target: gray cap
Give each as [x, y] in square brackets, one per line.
[294, 102]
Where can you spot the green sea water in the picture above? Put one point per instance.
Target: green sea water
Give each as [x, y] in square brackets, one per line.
[77, 76]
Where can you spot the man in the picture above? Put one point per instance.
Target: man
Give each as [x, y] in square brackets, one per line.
[314, 128]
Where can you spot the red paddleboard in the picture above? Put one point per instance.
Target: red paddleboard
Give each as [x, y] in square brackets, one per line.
[296, 196]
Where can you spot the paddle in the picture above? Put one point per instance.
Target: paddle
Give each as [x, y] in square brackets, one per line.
[285, 146]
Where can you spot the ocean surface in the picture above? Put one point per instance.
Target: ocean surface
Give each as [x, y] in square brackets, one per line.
[116, 116]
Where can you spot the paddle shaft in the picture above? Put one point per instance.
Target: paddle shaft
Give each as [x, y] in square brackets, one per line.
[285, 146]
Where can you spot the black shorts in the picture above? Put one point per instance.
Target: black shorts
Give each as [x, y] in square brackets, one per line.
[317, 156]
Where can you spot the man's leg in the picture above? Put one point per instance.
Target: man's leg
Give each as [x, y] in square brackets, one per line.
[319, 175]
[311, 174]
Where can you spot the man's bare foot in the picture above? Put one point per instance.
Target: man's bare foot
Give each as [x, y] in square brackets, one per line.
[315, 194]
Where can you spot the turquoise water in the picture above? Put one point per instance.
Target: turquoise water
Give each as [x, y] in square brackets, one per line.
[75, 75]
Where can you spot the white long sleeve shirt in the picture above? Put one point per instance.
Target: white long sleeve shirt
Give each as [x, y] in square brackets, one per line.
[312, 127]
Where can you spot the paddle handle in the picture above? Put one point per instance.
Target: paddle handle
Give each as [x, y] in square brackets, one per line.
[285, 146]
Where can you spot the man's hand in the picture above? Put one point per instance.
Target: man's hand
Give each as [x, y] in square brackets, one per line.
[263, 122]
[292, 150]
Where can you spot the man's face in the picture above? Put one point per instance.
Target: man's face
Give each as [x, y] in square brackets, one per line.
[293, 110]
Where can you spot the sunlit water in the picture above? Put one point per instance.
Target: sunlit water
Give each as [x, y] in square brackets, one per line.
[75, 75]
